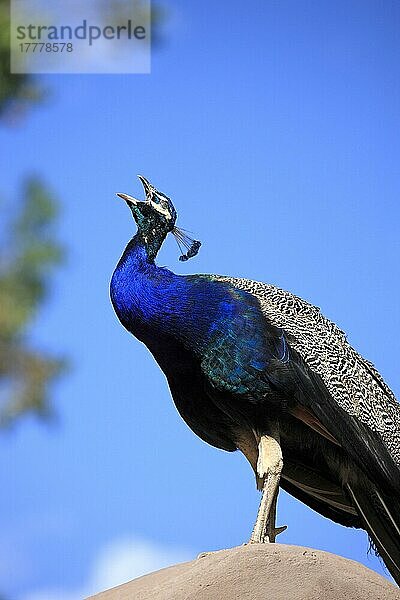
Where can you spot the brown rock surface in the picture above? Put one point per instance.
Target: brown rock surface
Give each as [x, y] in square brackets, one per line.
[260, 571]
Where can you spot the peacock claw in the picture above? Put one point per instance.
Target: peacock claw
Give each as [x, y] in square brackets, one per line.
[271, 536]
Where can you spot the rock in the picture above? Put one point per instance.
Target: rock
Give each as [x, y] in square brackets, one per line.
[259, 571]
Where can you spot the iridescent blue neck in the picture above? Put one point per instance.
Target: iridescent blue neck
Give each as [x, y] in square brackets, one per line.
[136, 255]
[158, 306]
[143, 294]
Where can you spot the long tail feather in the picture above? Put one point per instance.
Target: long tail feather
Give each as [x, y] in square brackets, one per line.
[381, 517]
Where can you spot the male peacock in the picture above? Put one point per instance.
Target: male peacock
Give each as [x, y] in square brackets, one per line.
[255, 368]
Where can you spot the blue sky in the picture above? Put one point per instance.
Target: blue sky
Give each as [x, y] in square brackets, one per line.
[274, 129]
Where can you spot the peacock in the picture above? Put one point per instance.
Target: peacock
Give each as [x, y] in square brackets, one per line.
[254, 368]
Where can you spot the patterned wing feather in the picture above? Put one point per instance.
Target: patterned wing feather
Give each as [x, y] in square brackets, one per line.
[353, 382]
[240, 348]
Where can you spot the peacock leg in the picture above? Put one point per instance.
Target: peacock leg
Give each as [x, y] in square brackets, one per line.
[273, 531]
[269, 467]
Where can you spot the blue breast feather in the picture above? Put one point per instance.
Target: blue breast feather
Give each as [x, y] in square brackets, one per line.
[220, 324]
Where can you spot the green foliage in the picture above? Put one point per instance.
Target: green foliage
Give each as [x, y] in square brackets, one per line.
[28, 250]
[16, 91]
[28, 254]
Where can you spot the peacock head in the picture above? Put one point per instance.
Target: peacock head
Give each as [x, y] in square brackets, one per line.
[155, 217]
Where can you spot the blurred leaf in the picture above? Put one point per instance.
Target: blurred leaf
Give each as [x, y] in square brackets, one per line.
[16, 91]
[28, 254]
[28, 249]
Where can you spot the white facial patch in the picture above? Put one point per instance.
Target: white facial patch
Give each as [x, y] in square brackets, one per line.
[161, 209]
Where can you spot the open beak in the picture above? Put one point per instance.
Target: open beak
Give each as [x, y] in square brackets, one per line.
[149, 191]
[128, 199]
[148, 188]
